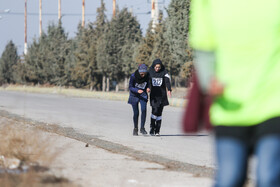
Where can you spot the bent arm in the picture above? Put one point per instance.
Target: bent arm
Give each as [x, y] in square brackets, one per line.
[167, 82]
[132, 85]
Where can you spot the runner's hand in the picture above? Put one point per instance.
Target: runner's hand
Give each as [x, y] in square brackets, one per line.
[216, 88]
[169, 93]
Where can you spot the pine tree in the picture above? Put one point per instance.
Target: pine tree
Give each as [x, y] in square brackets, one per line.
[85, 54]
[128, 63]
[101, 27]
[58, 49]
[70, 63]
[143, 52]
[132, 36]
[8, 62]
[112, 50]
[102, 59]
[35, 59]
[177, 32]
[161, 48]
[46, 58]
[19, 72]
[101, 21]
[113, 56]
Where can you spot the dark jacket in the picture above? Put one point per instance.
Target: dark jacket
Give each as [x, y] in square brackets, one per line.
[159, 82]
[134, 96]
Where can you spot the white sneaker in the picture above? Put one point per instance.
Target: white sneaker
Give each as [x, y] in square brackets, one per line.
[157, 134]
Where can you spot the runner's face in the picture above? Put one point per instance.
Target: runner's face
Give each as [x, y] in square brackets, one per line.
[142, 74]
[157, 67]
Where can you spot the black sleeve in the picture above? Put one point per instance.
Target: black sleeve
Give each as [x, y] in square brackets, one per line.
[167, 82]
[149, 81]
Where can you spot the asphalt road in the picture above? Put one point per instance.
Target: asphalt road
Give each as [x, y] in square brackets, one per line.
[111, 121]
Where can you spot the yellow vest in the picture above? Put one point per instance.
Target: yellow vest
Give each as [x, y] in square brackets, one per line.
[245, 36]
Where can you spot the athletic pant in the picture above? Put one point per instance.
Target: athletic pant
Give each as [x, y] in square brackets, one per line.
[136, 113]
[156, 118]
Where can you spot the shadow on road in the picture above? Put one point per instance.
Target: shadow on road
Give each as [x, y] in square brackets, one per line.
[184, 135]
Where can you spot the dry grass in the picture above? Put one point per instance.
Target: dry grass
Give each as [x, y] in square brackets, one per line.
[32, 148]
[25, 143]
[68, 92]
[178, 94]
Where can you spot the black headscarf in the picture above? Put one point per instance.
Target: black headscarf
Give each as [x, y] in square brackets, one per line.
[140, 79]
[161, 72]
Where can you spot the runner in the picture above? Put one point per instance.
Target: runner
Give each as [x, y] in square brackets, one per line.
[237, 58]
[160, 80]
[139, 86]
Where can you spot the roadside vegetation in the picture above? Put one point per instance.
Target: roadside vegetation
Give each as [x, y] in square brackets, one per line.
[25, 156]
[104, 53]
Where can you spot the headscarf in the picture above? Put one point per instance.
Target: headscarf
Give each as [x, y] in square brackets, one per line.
[161, 72]
[139, 79]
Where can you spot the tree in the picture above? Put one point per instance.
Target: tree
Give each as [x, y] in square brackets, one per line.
[34, 61]
[85, 56]
[70, 63]
[8, 62]
[102, 59]
[87, 71]
[132, 36]
[101, 27]
[143, 52]
[112, 47]
[161, 48]
[177, 31]
[114, 53]
[46, 58]
[129, 65]
[58, 48]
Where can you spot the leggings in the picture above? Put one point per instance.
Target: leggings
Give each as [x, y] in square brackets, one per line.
[136, 113]
[156, 118]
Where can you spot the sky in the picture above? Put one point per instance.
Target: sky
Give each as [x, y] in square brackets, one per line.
[12, 22]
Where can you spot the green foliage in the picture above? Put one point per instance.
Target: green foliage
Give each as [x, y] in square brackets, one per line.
[116, 47]
[58, 49]
[8, 64]
[86, 71]
[112, 49]
[34, 61]
[177, 30]
[85, 57]
[101, 21]
[143, 52]
[161, 48]
[131, 36]
[46, 58]
[70, 63]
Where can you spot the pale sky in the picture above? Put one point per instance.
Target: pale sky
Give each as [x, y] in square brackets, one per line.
[12, 23]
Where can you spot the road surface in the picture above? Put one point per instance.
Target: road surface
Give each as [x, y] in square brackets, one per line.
[111, 122]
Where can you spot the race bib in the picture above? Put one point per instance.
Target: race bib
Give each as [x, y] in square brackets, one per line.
[141, 86]
[157, 81]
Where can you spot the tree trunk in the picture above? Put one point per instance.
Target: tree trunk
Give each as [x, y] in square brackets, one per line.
[103, 83]
[125, 84]
[175, 82]
[117, 87]
[108, 84]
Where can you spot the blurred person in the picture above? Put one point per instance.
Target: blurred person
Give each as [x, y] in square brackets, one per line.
[138, 88]
[160, 81]
[237, 58]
